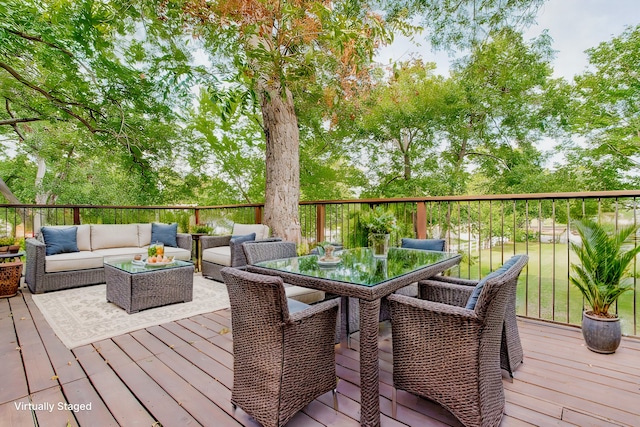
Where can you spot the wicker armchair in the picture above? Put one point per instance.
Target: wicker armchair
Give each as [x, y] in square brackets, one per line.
[451, 354]
[282, 359]
[511, 354]
[266, 251]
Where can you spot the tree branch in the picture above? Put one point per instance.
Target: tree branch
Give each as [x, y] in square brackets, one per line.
[54, 46]
[58, 102]
[39, 39]
[14, 125]
[14, 121]
[475, 153]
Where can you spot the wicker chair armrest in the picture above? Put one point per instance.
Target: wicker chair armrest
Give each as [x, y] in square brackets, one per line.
[269, 239]
[445, 293]
[314, 310]
[455, 280]
[207, 242]
[435, 309]
[184, 241]
[35, 265]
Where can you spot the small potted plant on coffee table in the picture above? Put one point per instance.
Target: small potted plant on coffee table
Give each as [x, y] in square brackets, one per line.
[605, 258]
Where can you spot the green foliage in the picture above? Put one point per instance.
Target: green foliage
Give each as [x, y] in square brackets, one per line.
[7, 241]
[605, 258]
[201, 228]
[379, 221]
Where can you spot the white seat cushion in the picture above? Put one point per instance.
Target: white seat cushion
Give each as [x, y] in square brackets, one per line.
[179, 253]
[305, 295]
[127, 252]
[83, 260]
[219, 255]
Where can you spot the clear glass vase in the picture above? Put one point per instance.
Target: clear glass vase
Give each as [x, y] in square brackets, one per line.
[379, 243]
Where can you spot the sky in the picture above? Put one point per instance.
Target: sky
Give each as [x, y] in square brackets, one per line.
[574, 26]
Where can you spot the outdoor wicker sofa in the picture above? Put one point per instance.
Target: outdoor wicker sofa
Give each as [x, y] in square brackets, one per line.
[458, 362]
[283, 350]
[219, 252]
[94, 242]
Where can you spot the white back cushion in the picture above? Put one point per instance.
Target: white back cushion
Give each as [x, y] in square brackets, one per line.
[83, 238]
[261, 230]
[144, 234]
[114, 236]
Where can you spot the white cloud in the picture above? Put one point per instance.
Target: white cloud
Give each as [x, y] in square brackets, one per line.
[577, 25]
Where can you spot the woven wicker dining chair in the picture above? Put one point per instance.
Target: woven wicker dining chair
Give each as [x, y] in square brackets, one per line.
[511, 354]
[256, 252]
[451, 354]
[282, 359]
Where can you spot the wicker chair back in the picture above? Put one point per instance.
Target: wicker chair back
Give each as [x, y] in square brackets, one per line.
[281, 361]
[459, 362]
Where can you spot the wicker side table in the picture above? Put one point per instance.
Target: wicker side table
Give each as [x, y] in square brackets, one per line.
[140, 288]
[10, 274]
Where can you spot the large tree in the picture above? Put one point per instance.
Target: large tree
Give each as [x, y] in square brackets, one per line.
[277, 47]
[607, 109]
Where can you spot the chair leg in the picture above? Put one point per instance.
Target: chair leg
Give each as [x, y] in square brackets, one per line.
[335, 400]
[394, 402]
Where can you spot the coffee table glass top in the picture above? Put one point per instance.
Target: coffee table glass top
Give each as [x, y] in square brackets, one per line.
[359, 266]
[130, 267]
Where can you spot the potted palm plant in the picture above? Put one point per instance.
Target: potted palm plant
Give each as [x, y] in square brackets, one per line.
[604, 258]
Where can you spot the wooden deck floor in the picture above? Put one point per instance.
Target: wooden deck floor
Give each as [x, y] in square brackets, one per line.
[180, 374]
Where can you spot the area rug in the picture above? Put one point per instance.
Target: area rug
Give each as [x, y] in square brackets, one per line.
[81, 316]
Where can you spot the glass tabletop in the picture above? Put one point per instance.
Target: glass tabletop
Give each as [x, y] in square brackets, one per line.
[132, 267]
[359, 266]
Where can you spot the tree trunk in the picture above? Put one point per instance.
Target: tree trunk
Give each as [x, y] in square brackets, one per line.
[407, 167]
[282, 192]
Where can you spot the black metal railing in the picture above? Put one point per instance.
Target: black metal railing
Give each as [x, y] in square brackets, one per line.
[486, 230]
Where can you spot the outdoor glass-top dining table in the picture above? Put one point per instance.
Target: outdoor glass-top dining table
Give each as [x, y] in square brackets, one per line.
[369, 278]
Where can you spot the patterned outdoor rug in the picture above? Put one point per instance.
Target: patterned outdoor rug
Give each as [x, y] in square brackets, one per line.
[81, 316]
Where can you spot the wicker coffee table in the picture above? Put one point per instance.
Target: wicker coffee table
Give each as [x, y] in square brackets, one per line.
[137, 287]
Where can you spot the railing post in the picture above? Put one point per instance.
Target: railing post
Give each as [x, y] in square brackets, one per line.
[421, 220]
[76, 215]
[196, 213]
[320, 218]
[258, 214]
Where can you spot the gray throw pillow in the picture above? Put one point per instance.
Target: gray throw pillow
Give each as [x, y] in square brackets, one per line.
[165, 233]
[473, 299]
[59, 240]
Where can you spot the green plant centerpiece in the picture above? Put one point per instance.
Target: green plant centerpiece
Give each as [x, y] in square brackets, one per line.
[201, 229]
[605, 258]
[379, 223]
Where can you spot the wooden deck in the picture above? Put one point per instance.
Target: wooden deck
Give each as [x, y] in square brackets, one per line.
[180, 374]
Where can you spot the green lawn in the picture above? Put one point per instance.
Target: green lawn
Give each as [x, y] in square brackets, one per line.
[543, 288]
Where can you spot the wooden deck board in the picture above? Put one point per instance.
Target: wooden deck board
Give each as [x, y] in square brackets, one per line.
[182, 372]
